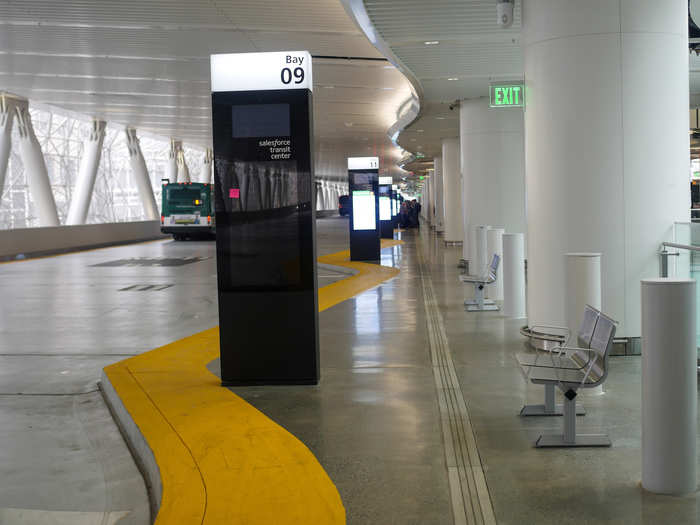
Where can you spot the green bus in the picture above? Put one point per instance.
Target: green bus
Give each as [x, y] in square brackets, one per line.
[188, 210]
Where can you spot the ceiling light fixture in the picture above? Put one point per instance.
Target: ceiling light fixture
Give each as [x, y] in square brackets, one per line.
[431, 42]
[420, 130]
[453, 78]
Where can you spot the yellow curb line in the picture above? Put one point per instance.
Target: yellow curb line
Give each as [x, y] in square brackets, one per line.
[221, 460]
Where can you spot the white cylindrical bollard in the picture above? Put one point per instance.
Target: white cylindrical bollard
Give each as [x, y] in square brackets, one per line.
[582, 287]
[494, 246]
[481, 258]
[514, 275]
[669, 386]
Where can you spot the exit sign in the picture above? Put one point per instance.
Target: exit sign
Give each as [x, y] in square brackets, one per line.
[507, 95]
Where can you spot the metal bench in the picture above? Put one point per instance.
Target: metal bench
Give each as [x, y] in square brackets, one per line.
[561, 356]
[479, 304]
[581, 368]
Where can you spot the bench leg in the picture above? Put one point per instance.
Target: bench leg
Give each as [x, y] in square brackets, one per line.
[480, 304]
[549, 408]
[569, 438]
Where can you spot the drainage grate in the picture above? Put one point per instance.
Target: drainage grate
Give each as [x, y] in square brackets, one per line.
[158, 261]
[145, 288]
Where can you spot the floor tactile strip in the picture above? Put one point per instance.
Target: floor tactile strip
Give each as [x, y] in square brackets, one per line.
[471, 502]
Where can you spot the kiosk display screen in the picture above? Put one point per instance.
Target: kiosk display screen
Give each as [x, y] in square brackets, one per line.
[263, 190]
[363, 210]
[384, 202]
[384, 208]
[260, 120]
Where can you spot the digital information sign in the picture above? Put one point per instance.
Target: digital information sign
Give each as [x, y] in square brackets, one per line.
[265, 218]
[363, 178]
[386, 225]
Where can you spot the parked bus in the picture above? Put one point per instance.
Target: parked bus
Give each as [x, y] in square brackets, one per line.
[188, 210]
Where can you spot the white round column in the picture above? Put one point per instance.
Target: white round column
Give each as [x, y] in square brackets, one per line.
[603, 174]
[87, 173]
[494, 246]
[35, 170]
[481, 259]
[669, 386]
[452, 190]
[582, 287]
[206, 175]
[171, 161]
[439, 202]
[492, 149]
[514, 275]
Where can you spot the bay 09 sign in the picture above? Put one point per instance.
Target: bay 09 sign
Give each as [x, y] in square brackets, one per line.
[265, 236]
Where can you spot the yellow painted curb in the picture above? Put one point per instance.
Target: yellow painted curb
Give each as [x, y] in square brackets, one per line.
[221, 460]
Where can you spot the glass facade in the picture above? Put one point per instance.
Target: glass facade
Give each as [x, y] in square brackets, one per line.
[115, 197]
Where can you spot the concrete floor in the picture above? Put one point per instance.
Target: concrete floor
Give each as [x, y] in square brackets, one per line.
[373, 421]
[62, 319]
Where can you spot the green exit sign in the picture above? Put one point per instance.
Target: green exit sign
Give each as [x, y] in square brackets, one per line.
[507, 95]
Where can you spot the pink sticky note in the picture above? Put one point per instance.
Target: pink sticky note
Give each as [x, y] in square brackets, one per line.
[234, 193]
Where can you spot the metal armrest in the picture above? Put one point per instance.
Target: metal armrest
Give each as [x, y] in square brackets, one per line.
[563, 328]
[474, 279]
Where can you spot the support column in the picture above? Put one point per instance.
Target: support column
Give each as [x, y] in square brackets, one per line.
[140, 172]
[35, 169]
[319, 196]
[452, 190]
[206, 176]
[514, 277]
[87, 173]
[7, 113]
[183, 172]
[439, 202]
[171, 165]
[607, 145]
[426, 200]
[492, 148]
[669, 386]
[326, 195]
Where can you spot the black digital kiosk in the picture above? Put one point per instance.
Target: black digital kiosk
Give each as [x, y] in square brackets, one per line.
[265, 218]
[363, 174]
[386, 224]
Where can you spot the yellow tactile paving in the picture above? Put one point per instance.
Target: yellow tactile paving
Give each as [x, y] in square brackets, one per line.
[220, 459]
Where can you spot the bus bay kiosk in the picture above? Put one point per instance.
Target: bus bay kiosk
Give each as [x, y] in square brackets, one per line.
[386, 225]
[363, 175]
[265, 218]
[395, 205]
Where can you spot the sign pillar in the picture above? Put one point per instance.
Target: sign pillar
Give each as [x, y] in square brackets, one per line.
[363, 174]
[265, 221]
[386, 225]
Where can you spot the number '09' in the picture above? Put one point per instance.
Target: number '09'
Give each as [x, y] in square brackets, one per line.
[297, 75]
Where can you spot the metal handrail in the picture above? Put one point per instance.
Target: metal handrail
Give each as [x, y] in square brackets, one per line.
[690, 247]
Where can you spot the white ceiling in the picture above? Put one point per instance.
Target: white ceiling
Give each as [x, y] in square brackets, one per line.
[472, 51]
[145, 63]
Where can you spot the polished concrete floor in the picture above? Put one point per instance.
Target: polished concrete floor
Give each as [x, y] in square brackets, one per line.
[373, 422]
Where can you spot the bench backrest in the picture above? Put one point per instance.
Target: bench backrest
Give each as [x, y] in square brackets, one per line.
[585, 331]
[493, 267]
[595, 363]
